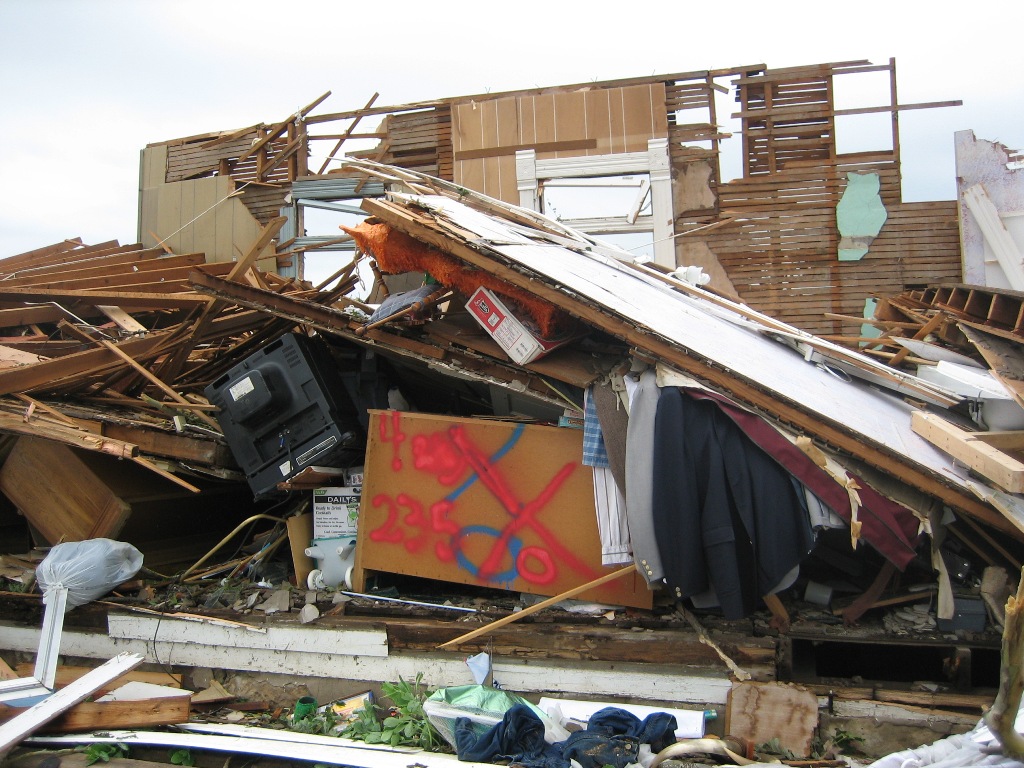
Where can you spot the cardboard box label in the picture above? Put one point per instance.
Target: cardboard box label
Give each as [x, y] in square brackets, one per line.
[336, 512]
[511, 335]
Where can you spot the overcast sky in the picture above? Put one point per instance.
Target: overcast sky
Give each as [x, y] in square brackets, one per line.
[86, 84]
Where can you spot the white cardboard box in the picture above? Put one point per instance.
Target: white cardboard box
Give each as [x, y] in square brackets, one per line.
[335, 511]
[502, 326]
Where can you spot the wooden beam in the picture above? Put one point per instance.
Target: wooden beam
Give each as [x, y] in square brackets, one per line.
[34, 377]
[569, 145]
[68, 673]
[347, 134]
[107, 715]
[154, 442]
[123, 299]
[529, 611]
[159, 383]
[274, 131]
[988, 461]
[808, 113]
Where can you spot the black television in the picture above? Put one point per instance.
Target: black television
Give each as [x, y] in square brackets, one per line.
[285, 408]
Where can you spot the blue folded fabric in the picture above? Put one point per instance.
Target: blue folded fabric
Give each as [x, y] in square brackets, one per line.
[596, 750]
[613, 737]
[657, 729]
[518, 738]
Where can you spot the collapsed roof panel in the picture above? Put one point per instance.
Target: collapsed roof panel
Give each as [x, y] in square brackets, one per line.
[672, 323]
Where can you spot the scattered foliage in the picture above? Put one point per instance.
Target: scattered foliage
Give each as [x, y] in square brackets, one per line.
[95, 753]
[838, 743]
[405, 723]
[316, 722]
[183, 757]
[774, 747]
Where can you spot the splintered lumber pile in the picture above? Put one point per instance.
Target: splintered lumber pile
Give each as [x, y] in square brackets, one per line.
[106, 350]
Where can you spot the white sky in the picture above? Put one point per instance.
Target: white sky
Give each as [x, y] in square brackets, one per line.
[86, 84]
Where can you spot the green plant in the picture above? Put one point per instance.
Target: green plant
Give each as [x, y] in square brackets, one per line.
[837, 743]
[774, 747]
[405, 724]
[183, 757]
[95, 753]
[320, 723]
[364, 725]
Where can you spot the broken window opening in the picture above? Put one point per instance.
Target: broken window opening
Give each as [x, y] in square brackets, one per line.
[322, 222]
[597, 197]
[863, 133]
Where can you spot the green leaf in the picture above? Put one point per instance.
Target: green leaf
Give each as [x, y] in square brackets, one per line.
[95, 753]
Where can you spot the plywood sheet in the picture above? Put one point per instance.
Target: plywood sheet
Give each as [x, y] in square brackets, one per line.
[72, 505]
[473, 501]
[760, 712]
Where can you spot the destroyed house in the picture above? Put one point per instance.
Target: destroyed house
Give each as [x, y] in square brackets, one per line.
[679, 432]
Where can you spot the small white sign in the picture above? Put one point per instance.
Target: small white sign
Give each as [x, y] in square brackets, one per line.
[336, 511]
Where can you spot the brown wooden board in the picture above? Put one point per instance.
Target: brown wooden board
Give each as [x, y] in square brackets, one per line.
[760, 712]
[67, 674]
[112, 715]
[73, 504]
[490, 503]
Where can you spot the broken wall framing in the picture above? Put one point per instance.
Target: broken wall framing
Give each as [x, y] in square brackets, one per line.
[769, 237]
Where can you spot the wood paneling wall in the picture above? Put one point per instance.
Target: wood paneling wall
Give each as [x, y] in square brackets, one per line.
[582, 122]
[193, 216]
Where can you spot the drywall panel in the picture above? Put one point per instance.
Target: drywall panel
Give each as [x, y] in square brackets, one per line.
[1000, 175]
[472, 501]
[153, 166]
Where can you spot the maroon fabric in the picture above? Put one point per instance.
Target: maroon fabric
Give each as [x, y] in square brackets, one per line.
[889, 527]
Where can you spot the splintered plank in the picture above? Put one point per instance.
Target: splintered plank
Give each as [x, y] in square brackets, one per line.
[67, 674]
[972, 449]
[30, 377]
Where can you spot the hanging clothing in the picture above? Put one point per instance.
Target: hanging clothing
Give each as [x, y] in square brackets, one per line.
[611, 519]
[725, 514]
[609, 503]
[614, 420]
[889, 527]
[594, 453]
[640, 478]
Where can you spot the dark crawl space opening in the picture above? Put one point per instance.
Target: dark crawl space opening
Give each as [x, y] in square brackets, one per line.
[942, 664]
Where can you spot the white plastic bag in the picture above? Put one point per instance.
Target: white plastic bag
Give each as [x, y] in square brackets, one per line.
[89, 569]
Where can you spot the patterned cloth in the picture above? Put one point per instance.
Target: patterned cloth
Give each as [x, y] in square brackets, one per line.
[594, 452]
